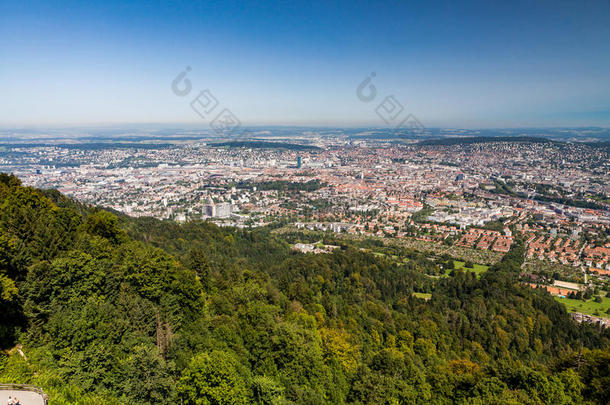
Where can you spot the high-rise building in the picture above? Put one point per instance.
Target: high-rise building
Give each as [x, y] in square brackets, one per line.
[210, 210]
[223, 210]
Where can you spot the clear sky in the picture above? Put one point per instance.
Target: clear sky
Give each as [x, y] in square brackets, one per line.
[450, 63]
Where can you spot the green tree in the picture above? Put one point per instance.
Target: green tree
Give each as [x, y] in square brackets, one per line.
[267, 391]
[106, 225]
[214, 378]
[147, 377]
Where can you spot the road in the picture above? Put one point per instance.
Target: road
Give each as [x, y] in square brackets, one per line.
[25, 397]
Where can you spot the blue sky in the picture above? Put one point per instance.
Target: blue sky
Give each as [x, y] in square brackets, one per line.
[450, 63]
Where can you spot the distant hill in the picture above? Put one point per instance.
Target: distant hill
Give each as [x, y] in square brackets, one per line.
[601, 145]
[89, 145]
[484, 139]
[264, 145]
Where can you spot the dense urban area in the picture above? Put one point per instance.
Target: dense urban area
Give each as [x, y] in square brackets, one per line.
[477, 194]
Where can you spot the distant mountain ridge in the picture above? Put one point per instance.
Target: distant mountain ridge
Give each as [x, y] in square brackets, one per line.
[484, 139]
[264, 145]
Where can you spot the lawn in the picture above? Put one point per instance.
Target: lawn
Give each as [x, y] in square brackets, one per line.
[589, 307]
[425, 296]
[478, 268]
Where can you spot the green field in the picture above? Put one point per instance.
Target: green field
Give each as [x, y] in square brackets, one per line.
[425, 296]
[478, 268]
[589, 307]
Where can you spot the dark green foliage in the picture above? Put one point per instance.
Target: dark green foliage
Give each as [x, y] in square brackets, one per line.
[104, 224]
[467, 140]
[266, 145]
[216, 378]
[283, 185]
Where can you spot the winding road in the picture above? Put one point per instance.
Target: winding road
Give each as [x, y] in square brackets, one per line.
[25, 397]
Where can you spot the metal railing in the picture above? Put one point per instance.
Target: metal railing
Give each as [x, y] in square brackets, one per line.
[22, 387]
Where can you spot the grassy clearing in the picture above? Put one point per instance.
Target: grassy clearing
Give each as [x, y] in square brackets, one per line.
[589, 307]
[478, 268]
[425, 296]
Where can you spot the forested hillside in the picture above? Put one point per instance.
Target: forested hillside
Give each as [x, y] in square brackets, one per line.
[105, 309]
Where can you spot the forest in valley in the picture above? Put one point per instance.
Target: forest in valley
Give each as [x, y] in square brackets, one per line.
[101, 308]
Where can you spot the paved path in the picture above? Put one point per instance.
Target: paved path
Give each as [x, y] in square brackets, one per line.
[25, 397]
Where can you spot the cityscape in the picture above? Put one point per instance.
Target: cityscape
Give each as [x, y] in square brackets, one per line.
[468, 193]
[305, 203]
